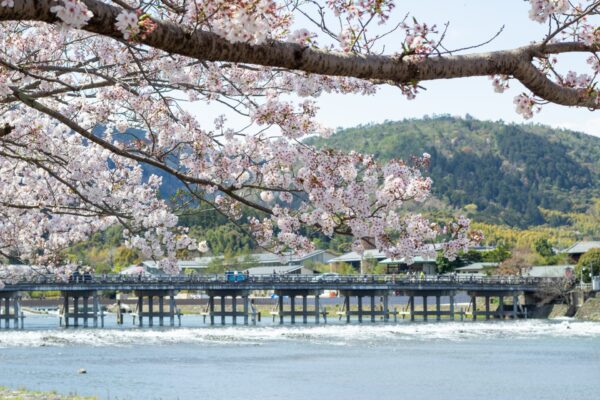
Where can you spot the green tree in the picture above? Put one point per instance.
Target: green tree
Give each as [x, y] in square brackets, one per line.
[590, 261]
[543, 247]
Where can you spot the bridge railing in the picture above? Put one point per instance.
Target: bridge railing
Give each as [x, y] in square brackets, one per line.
[317, 280]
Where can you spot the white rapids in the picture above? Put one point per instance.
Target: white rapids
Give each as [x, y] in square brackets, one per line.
[333, 334]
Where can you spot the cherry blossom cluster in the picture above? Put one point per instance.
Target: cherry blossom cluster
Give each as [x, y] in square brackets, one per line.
[73, 13]
[127, 24]
[500, 83]
[541, 10]
[525, 105]
[357, 9]
[250, 21]
[417, 43]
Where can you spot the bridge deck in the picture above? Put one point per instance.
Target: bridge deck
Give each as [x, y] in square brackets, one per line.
[280, 283]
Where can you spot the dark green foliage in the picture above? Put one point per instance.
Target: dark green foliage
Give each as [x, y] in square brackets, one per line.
[543, 248]
[499, 254]
[590, 261]
[508, 171]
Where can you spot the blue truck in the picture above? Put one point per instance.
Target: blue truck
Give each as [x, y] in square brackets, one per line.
[235, 276]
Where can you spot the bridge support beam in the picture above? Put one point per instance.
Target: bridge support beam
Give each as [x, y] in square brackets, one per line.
[8, 300]
[151, 313]
[373, 312]
[80, 310]
[293, 312]
[425, 313]
[386, 308]
[499, 312]
[223, 312]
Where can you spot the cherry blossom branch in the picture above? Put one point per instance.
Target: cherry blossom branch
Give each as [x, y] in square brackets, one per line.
[207, 46]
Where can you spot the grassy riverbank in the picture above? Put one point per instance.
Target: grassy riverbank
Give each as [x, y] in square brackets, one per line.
[22, 394]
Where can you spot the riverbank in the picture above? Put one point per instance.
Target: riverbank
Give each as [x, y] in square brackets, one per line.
[22, 394]
[590, 310]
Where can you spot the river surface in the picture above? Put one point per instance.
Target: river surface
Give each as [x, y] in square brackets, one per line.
[514, 360]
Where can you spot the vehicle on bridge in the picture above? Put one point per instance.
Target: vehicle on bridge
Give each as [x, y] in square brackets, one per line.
[236, 276]
[327, 277]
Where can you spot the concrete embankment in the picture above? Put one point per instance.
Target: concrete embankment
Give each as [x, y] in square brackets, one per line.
[590, 310]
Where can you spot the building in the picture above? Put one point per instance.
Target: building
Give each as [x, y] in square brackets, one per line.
[550, 271]
[270, 260]
[579, 248]
[419, 264]
[354, 259]
[479, 269]
[280, 270]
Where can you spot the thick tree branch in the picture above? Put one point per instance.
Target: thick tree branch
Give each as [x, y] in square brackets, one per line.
[207, 46]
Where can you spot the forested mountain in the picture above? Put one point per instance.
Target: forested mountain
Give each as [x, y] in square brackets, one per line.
[508, 171]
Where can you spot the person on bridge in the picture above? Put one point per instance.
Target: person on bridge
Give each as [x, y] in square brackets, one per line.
[422, 276]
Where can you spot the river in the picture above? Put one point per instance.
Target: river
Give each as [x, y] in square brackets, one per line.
[527, 359]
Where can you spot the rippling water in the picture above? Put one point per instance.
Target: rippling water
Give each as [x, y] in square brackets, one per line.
[449, 360]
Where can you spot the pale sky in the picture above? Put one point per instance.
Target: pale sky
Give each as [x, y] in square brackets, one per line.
[471, 22]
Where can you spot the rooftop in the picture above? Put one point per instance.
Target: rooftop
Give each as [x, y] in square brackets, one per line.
[479, 266]
[354, 256]
[550, 271]
[582, 247]
[278, 269]
[415, 260]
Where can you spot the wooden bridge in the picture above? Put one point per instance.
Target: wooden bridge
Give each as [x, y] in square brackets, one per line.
[80, 297]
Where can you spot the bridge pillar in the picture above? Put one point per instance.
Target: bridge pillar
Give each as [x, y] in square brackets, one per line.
[211, 309]
[161, 313]
[140, 307]
[474, 303]
[293, 312]
[280, 301]
[76, 311]
[234, 309]
[6, 300]
[222, 311]
[425, 308]
[360, 309]
[487, 307]
[347, 308]
[438, 308]
[373, 308]
[96, 310]
[386, 309]
[515, 303]
[304, 310]
[412, 308]
[172, 308]
[75, 315]
[293, 308]
[85, 312]
[150, 311]
[452, 307]
[245, 300]
[501, 305]
[317, 308]
[161, 310]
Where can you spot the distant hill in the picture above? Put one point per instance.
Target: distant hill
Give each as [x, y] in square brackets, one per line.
[507, 171]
